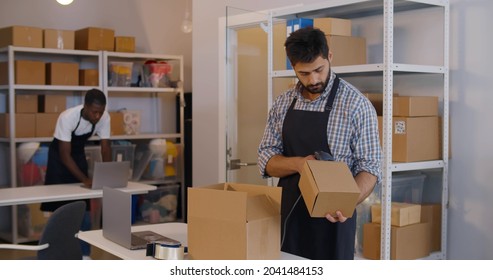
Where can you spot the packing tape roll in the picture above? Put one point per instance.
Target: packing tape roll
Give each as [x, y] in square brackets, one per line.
[165, 252]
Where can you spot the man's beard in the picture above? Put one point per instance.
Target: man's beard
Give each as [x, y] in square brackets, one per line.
[318, 88]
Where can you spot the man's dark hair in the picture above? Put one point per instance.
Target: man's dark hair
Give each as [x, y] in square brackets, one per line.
[95, 96]
[305, 45]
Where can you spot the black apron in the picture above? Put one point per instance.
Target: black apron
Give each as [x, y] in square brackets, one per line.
[303, 133]
[57, 172]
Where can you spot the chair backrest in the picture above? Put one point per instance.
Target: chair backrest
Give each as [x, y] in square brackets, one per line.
[60, 231]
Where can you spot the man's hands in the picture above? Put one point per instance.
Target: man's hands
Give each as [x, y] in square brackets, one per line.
[338, 218]
[87, 183]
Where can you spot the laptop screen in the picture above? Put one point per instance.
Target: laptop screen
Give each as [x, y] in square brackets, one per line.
[117, 216]
[113, 174]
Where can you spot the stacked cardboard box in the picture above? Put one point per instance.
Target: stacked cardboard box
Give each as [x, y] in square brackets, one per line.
[62, 73]
[24, 125]
[346, 49]
[88, 77]
[415, 127]
[89, 38]
[21, 36]
[124, 44]
[26, 72]
[59, 39]
[410, 237]
[95, 39]
[432, 213]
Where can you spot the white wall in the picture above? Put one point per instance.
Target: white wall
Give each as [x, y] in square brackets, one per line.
[470, 223]
[471, 166]
[155, 24]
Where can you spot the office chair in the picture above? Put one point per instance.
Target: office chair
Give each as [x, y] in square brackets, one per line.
[58, 240]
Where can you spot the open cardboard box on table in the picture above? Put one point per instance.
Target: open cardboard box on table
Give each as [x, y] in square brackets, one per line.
[328, 186]
[234, 221]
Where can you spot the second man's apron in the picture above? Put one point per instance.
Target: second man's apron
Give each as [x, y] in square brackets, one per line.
[57, 172]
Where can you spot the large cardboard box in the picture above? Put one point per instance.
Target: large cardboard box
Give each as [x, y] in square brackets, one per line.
[376, 99]
[95, 39]
[62, 73]
[124, 44]
[89, 77]
[117, 125]
[401, 214]
[328, 186]
[415, 106]
[26, 103]
[26, 72]
[45, 124]
[21, 36]
[347, 50]
[333, 26]
[59, 39]
[24, 125]
[234, 221]
[432, 214]
[52, 103]
[406, 243]
[415, 139]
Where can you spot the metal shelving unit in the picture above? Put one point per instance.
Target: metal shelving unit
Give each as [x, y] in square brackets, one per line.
[155, 94]
[387, 70]
[86, 59]
[10, 54]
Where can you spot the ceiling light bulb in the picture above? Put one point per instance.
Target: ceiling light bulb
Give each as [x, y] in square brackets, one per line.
[65, 2]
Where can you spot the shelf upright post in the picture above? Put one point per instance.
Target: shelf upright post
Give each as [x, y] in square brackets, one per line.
[445, 128]
[386, 195]
[12, 134]
[181, 85]
[103, 75]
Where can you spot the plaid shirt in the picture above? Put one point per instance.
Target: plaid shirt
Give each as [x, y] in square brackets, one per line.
[352, 129]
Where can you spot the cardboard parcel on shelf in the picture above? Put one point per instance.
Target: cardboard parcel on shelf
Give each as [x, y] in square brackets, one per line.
[232, 221]
[328, 186]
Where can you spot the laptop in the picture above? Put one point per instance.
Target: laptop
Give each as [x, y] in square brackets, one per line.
[117, 224]
[112, 174]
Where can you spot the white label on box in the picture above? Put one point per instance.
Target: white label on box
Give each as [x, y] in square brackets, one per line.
[400, 127]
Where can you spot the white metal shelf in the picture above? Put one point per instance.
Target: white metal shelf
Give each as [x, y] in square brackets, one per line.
[142, 56]
[146, 136]
[52, 88]
[408, 166]
[142, 89]
[377, 68]
[51, 51]
[350, 9]
[388, 69]
[100, 60]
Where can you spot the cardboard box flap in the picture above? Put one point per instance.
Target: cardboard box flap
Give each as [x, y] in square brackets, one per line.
[212, 198]
[309, 196]
[337, 178]
[260, 207]
[273, 193]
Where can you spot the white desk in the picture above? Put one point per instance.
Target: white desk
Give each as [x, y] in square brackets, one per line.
[176, 231]
[48, 193]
